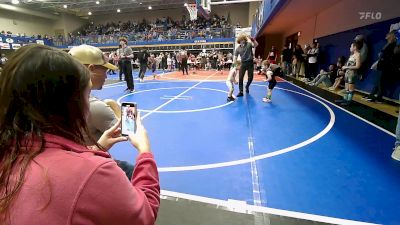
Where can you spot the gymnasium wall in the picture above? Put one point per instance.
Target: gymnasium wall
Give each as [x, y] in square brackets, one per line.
[338, 44]
[22, 23]
[69, 23]
[33, 25]
[342, 16]
[238, 13]
[336, 26]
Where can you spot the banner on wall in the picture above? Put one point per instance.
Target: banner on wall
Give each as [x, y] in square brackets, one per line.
[9, 40]
[260, 18]
[40, 42]
[5, 46]
[16, 46]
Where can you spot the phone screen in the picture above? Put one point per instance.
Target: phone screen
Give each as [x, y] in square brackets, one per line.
[128, 118]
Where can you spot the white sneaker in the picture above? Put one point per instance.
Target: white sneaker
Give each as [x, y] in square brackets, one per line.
[267, 100]
[396, 153]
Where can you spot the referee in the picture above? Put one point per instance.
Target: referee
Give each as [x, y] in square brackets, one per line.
[125, 55]
[245, 50]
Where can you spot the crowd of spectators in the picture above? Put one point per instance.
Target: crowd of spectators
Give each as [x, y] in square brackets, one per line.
[162, 29]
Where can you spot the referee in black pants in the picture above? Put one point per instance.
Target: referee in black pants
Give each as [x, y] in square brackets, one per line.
[245, 50]
[126, 55]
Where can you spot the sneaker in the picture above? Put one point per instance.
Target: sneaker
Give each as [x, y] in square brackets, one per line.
[247, 90]
[396, 153]
[267, 100]
[340, 101]
[131, 90]
[345, 103]
[230, 99]
[370, 99]
[240, 94]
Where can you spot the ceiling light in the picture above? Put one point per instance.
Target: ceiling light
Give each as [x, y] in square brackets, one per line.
[118, 10]
[150, 7]
[89, 13]
[97, 2]
[65, 6]
[185, 4]
[15, 2]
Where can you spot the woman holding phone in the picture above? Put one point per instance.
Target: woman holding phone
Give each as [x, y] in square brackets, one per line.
[47, 174]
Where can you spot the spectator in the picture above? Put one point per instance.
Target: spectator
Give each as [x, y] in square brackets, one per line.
[298, 61]
[312, 65]
[339, 74]
[273, 55]
[396, 152]
[258, 62]
[143, 57]
[386, 65]
[57, 179]
[325, 77]
[103, 114]
[286, 60]
[3, 59]
[363, 55]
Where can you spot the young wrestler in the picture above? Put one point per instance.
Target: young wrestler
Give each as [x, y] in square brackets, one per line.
[271, 71]
[351, 68]
[231, 80]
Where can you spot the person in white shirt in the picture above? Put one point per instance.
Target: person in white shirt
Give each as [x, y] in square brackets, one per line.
[231, 80]
[312, 55]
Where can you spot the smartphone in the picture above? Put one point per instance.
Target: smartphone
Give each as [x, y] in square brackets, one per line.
[128, 118]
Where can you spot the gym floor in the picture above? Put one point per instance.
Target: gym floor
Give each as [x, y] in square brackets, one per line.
[299, 153]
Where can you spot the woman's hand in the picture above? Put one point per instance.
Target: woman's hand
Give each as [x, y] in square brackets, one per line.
[139, 139]
[111, 137]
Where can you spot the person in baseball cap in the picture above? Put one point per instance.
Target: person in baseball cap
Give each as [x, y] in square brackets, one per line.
[103, 113]
[97, 63]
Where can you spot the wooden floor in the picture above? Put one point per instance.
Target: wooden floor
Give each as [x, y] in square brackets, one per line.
[389, 106]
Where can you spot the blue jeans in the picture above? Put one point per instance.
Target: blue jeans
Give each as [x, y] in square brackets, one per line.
[397, 143]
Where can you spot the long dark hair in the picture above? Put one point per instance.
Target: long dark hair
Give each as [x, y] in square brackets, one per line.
[41, 91]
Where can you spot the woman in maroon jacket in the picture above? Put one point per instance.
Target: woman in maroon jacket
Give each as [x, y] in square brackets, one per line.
[47, 174]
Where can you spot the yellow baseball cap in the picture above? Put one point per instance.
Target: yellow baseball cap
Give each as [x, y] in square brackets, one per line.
[87, 54]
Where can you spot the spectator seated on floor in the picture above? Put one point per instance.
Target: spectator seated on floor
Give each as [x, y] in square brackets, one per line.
[339, 73]
[325, 77]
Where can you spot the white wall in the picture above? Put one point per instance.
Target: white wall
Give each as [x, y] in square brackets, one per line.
[238, 13]
[343, 16]
[68, 23]
[22, 23]
[33, 25]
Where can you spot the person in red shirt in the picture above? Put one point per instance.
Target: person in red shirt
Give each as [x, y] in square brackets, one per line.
[47, 173]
